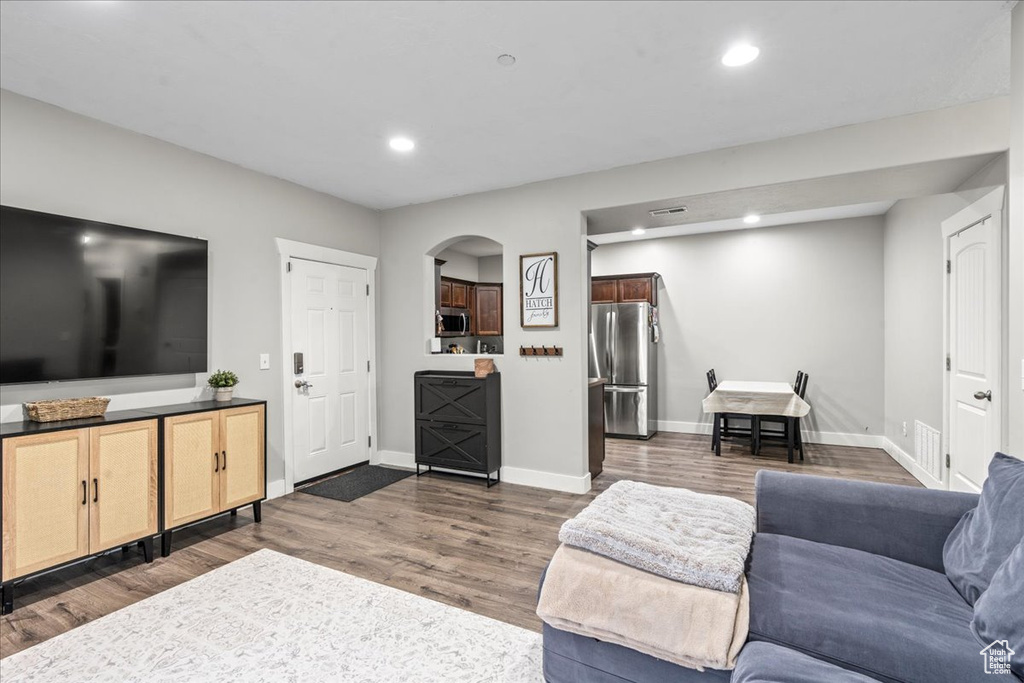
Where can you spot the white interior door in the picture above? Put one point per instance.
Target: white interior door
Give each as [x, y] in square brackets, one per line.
[974, 349]
[331, 400]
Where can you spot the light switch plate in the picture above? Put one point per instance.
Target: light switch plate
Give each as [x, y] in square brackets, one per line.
[264, 361]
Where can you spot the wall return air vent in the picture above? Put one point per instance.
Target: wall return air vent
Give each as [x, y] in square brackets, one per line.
[667, 212]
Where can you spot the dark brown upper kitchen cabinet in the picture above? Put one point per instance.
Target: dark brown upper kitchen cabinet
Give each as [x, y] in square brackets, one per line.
[602, 291]
[460, 295]
[623, 289]
[446, 293]
[637, 289]
[488, 310]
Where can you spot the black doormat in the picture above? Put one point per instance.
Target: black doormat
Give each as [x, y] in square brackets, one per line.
[356, 483]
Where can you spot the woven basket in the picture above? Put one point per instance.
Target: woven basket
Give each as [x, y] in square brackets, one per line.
[483, 367]
[66, 408]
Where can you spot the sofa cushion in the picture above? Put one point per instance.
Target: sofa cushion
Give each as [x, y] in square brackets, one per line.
[572, 658]
[999, 612]
[768, 663]
[986, 535]
[887, 619]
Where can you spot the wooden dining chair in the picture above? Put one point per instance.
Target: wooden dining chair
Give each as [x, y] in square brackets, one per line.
[721, 426]
[800, 389]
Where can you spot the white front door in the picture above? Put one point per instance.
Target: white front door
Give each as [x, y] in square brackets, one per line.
[974, 350]
[331, 394]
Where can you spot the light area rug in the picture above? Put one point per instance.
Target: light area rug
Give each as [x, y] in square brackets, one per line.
[271, 617]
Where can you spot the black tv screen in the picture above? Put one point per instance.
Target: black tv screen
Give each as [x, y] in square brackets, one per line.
[84, 300]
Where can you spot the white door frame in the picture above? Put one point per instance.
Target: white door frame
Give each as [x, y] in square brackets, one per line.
[990, 205]
[288, 249]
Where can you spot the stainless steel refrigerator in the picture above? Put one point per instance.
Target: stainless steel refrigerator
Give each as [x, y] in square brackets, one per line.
[623, 352]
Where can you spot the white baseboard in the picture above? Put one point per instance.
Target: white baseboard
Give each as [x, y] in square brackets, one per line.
[824, 438]
[407, 461]
[908, 463]
[510, 475]
[546, 480]
[276, 488]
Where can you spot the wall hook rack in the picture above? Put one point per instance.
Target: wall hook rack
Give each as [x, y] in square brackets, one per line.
[550, 351]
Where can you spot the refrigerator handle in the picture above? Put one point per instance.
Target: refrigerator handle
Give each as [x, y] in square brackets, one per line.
[609, 352]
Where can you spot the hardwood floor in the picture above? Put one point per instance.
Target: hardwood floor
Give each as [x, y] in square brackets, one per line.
[445, 538]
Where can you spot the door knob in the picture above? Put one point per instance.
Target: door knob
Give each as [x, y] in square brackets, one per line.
[302, 384]
[982, 395]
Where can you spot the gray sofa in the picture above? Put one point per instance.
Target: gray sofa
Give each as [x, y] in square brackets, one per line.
[844, 577]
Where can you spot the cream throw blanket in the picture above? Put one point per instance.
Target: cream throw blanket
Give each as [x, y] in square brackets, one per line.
[680, 534]
[684, 624]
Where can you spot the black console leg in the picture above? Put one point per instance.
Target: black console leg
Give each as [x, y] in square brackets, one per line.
[8, 600]
[147, 548]
[165, 544]
[257, 511]
[234, 513]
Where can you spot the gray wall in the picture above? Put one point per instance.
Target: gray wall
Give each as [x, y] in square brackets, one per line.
[544, 399]
[459, 265]
[491, 269]
[762, 304]
[913, 314]
[56, 161]
[914, 282]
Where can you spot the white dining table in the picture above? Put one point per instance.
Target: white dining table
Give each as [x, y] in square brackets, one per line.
[757, 398]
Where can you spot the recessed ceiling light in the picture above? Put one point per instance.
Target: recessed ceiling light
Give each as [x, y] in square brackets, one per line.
[86, 239]
[638, 231]
[401, 144]
[506, 59]
[738, 55]
[751, 219]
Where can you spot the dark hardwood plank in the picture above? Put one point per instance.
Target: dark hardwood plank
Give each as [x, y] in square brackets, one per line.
[445, 538]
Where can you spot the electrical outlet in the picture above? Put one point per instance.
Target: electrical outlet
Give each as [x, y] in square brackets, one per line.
[904, 429]
[265, 365]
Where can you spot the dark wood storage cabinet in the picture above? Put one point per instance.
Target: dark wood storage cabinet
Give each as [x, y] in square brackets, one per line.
[621, 289]
[460, 295]
[458, 422]
[603, 291]
[488, 316]
[484, 300]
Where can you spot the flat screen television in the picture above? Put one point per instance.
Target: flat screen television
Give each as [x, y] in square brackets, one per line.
[85, 300]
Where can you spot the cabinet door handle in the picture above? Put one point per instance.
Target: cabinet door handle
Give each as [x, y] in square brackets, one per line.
[85, 492]
[96, 490]
[216, 461]
[224, 454]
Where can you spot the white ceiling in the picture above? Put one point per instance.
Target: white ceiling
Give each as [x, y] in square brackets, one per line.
[831, 213]
[311, 92]
[811, 200]
[477, 246]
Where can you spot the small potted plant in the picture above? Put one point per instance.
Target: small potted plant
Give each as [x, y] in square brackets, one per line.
[223, 383]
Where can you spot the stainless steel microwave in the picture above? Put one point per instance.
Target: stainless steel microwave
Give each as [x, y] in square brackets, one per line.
[456, 322]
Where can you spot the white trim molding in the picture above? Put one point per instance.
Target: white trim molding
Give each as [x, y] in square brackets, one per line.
[288, 249]
[824, 438]
[509, 475]
[276, 489]
[910, 465]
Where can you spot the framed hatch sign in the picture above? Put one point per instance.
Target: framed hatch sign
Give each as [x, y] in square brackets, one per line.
[538, 290]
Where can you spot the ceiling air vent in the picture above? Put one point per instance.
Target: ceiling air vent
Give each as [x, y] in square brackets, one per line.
[667, 212]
